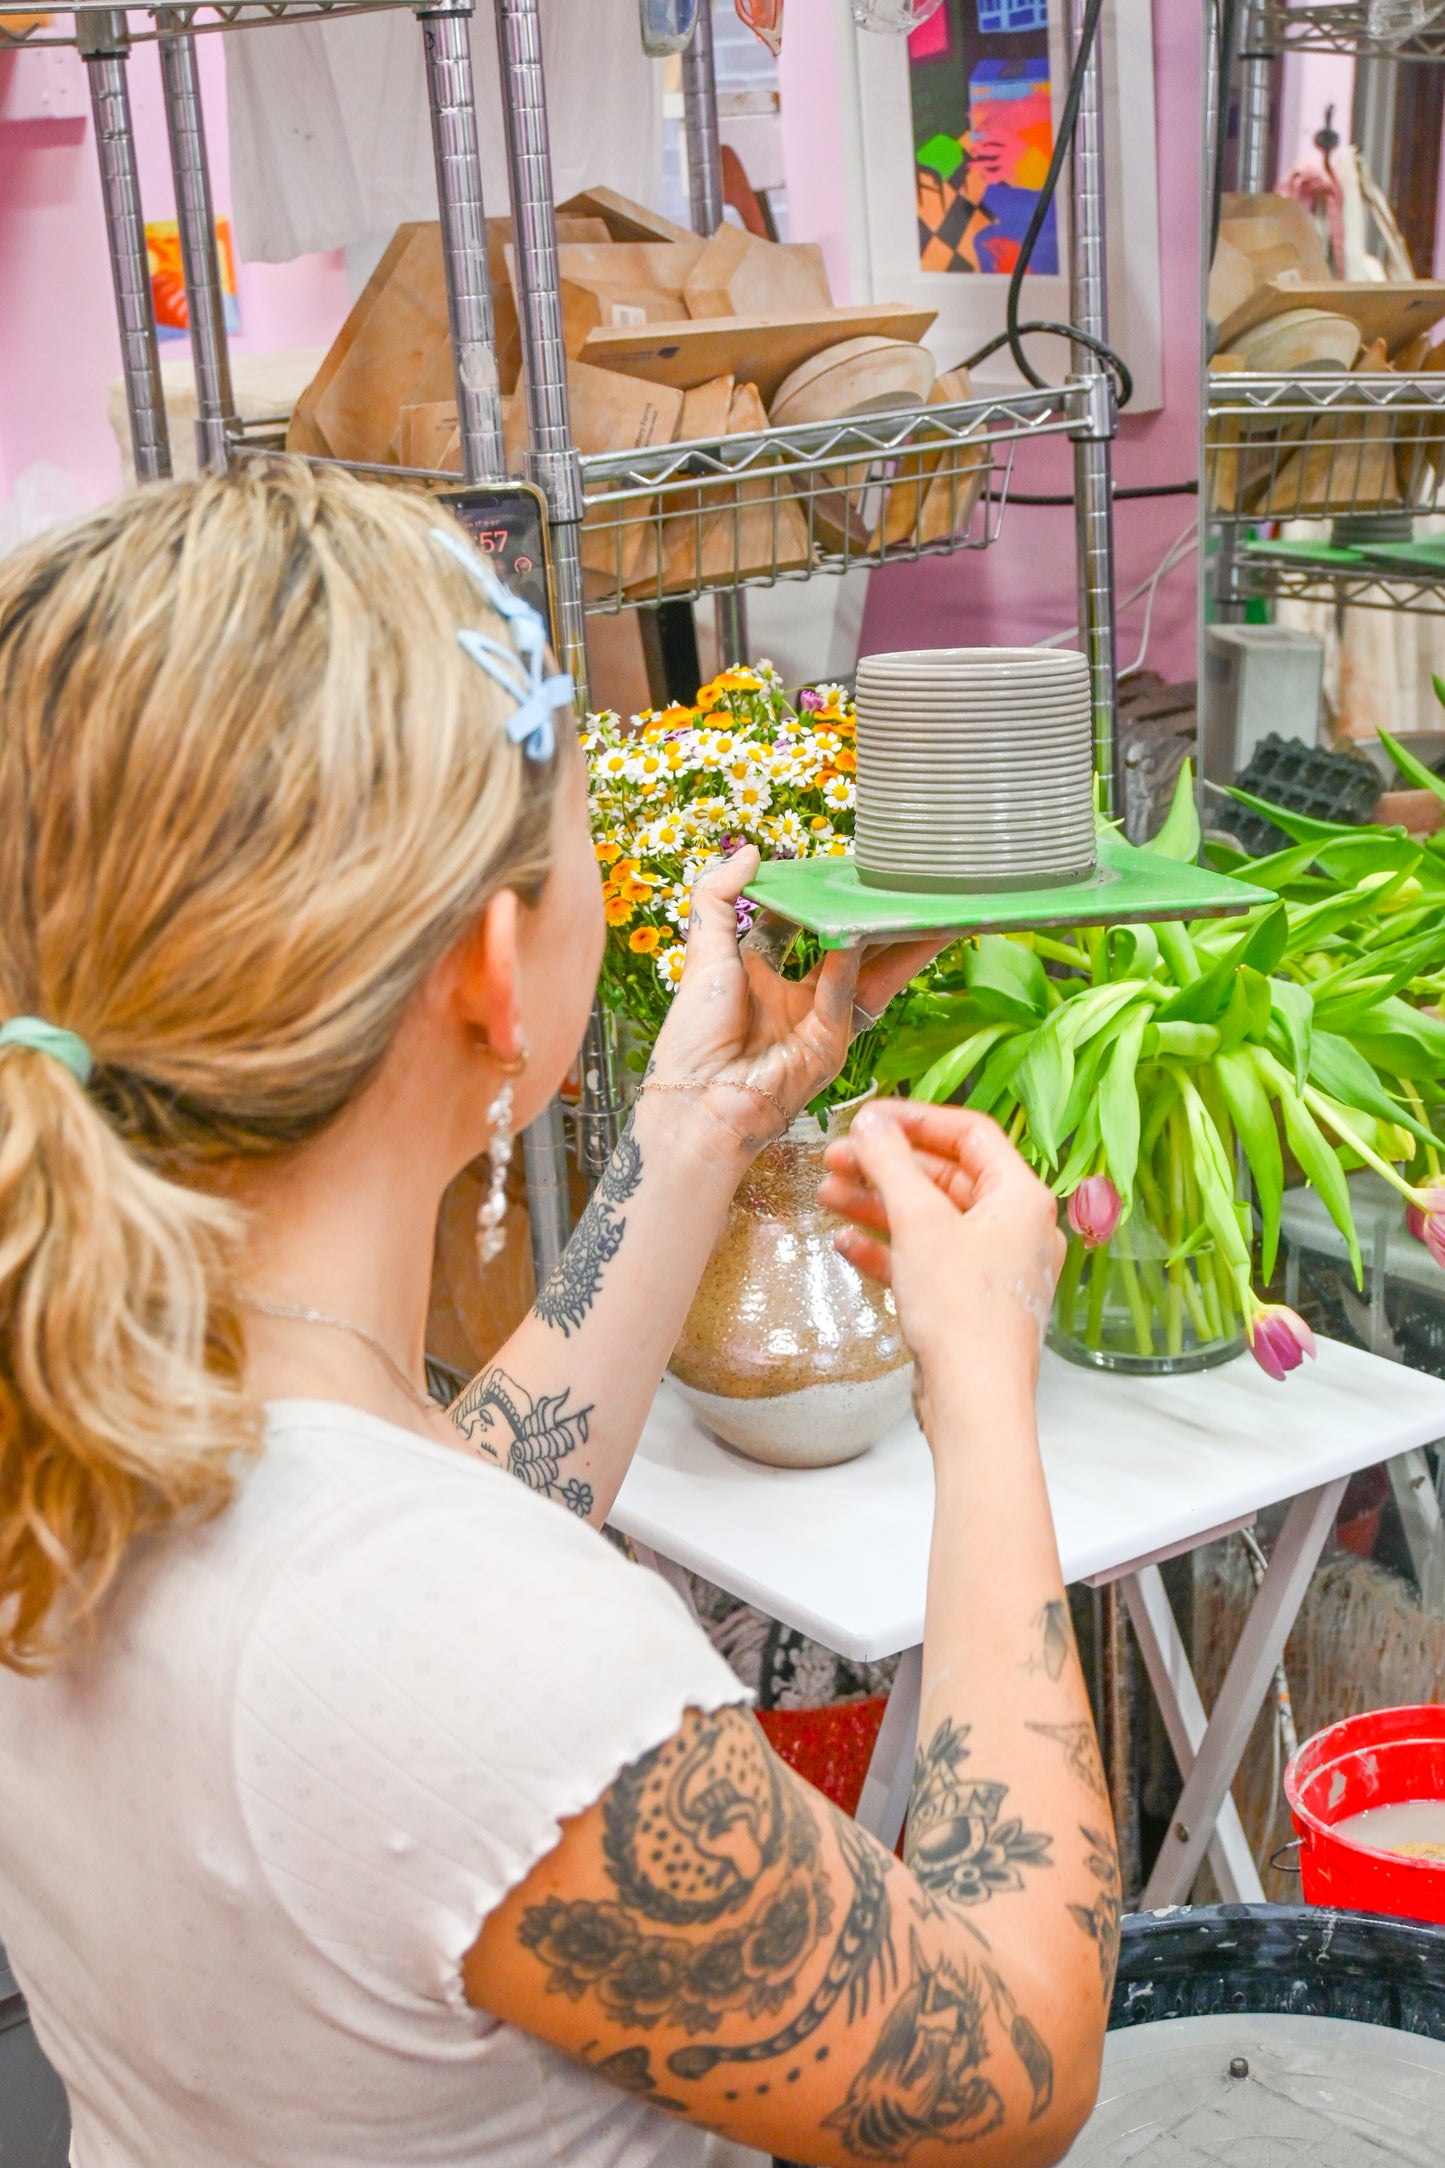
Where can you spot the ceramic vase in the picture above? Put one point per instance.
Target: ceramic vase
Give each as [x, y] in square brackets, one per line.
[787, 1353]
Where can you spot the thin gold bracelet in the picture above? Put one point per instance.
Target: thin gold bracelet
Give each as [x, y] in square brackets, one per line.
[703, 1084]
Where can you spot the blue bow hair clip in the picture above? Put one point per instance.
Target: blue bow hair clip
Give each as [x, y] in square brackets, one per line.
[518, 669]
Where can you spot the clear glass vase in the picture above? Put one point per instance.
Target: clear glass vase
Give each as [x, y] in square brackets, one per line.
[1126, 1306]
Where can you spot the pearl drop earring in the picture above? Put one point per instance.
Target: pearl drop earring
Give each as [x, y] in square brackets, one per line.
[493, 1208]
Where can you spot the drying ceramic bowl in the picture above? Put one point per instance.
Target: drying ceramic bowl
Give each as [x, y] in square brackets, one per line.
[858, 376]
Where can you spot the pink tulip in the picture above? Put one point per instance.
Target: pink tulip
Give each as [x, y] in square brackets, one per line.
[1093, 1210]
[1279, 1340]
[1426, 1222]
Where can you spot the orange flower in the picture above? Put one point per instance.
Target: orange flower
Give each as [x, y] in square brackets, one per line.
[638, 891]
[845, 759]
[617, 910]
[677, 717]
[643, 940]
[624, 871]
[607, 850]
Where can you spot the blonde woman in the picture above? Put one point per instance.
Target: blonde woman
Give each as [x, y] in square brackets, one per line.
[360, 1803]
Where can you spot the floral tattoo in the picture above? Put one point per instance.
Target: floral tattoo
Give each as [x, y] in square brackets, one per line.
[529, 1438]
[577, 1278]
[957, 1845]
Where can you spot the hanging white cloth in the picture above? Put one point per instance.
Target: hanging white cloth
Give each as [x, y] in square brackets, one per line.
[331, 137]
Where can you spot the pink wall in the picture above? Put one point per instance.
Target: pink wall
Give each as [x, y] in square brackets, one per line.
[58, 343]
[1022, 588]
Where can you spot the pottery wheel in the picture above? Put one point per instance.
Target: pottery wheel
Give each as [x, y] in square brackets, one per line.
[1265, 2092]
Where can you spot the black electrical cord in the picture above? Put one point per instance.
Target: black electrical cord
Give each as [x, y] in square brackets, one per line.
[1015, 333]
[1151, 489]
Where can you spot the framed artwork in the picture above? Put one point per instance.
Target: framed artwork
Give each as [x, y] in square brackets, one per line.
[950, 135]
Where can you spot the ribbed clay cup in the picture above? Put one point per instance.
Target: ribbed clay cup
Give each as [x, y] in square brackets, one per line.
[975, 769]
[787, 1353]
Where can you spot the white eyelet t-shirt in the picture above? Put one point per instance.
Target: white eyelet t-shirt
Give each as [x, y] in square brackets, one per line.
[249, 1832]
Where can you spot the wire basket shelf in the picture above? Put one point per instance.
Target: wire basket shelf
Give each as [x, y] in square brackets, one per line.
[1349, 448]
[1340, 26]
[47, 27]
[682, 520]
[1302, 578]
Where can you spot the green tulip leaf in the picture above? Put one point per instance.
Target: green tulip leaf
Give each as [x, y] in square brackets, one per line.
[1402, 1041]
[1042, 1084]
[1292, 1025]
[1179, 952]
[1118, 1107]
[1415, 771]
[1318, 1159]
[1299, 827]
[1181, 834]
[1341, 1071]
[1350, 859]
[941, 1081]
[1256, 1128]
[996, 1078]
[1133, 952]
[1215, 1177]
[1007, 980]
[1248, 1013]
[1083, 1152]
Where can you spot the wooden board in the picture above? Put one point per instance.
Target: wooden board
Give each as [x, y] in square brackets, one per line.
[737, 274]
[1394, 311]
[759, 349]
[625, 220]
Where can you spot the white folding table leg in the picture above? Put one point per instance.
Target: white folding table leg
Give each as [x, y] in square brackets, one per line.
[669, 1571]
[1247, 1681]
[884, 1799]
[1167, 1664]
[1419, 1509]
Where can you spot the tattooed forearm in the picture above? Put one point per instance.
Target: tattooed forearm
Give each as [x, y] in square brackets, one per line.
[1100, 1920]
[529, 1438]
[956, 1844]
[697, 1833]
[719, 1921]
[925, 2077]
[863, 1950]
[574, 1285]
[1081, 1752]
[1055, 1640]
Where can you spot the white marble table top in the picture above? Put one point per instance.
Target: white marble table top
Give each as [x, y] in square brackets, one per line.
[1136, 1467]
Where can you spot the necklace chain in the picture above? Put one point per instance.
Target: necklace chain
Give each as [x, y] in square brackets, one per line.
[298, 1313]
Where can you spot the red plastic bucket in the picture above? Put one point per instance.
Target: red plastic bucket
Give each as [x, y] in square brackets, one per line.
[1376, 1760]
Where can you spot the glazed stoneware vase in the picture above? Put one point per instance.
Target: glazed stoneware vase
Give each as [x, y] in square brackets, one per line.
[787, 1353]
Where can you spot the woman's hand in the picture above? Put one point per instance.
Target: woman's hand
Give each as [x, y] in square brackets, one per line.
[762, 1044]
[944, 1211]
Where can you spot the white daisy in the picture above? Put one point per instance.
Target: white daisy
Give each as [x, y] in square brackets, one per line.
[669, 965]
[838, 794]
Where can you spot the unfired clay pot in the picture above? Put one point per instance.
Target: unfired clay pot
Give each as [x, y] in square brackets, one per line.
[787, 1353]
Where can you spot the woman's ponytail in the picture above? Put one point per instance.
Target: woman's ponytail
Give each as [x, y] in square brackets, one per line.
[120, 1354]
[251, 789]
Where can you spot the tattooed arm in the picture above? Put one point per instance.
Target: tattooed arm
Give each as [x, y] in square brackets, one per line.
[564, 1403]
[712, 1935]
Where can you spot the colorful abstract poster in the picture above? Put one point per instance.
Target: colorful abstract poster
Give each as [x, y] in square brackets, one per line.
[983, 134]
[168, 287]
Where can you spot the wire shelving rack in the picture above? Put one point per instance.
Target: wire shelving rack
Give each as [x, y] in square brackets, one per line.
[680, 521]
[1364, 452]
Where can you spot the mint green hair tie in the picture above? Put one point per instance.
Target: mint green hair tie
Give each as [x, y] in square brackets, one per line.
[62, 1046]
